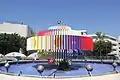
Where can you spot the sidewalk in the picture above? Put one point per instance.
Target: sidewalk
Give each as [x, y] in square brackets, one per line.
[103, 77]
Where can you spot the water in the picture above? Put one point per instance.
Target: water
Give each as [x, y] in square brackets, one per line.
[29, 69]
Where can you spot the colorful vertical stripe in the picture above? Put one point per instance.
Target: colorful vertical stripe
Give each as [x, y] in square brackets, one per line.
[59, 39]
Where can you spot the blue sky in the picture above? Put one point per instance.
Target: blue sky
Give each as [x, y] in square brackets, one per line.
[92, 15]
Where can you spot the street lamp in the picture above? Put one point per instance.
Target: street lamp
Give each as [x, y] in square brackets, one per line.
[89, 68]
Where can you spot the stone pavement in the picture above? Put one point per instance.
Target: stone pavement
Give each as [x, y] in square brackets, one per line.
[103, 77]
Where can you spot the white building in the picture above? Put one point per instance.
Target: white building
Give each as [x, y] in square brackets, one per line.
[19, 28]
[119, 44]
[115, 42]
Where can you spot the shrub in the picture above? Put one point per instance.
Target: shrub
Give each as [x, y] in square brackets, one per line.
[63, 65]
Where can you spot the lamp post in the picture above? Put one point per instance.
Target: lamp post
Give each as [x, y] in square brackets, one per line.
[40, 69]
[89, 68]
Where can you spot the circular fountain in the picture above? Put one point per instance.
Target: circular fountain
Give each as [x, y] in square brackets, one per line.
[67, 67]
[77, 69]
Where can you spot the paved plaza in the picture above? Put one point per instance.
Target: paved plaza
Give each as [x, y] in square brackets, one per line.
[103, 77]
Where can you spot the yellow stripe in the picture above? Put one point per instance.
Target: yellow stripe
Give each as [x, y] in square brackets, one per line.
[42, 42]
[39, 42]
[50, 41]
[48, 45]
[46, 42]
[35, 42]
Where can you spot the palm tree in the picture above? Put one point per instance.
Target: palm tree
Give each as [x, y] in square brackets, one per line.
[100, 35]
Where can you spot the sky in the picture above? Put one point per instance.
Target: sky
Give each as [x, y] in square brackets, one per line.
[91, 15]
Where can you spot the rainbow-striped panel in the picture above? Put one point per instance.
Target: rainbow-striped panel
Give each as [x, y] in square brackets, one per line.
[46, 41]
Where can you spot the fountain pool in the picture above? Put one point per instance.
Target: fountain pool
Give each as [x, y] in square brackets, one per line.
[78, 69]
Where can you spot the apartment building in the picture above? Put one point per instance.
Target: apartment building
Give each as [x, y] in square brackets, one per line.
[15, 27]
[115, 43]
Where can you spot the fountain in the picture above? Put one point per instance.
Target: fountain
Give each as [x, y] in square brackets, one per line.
[61, 64]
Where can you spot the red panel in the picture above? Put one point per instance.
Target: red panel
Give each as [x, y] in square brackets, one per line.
[45, 32]
[81, 43]
[90, 44]
[86, 43]
[41, 33]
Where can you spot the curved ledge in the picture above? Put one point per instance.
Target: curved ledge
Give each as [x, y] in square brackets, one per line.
[110, 75]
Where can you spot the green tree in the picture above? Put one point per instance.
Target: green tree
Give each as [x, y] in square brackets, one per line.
[11, 43]
[102, 46]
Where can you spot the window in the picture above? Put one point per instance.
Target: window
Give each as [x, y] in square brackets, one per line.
[81, 33]
[111, 38]
[113, 49]
[114, 44]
